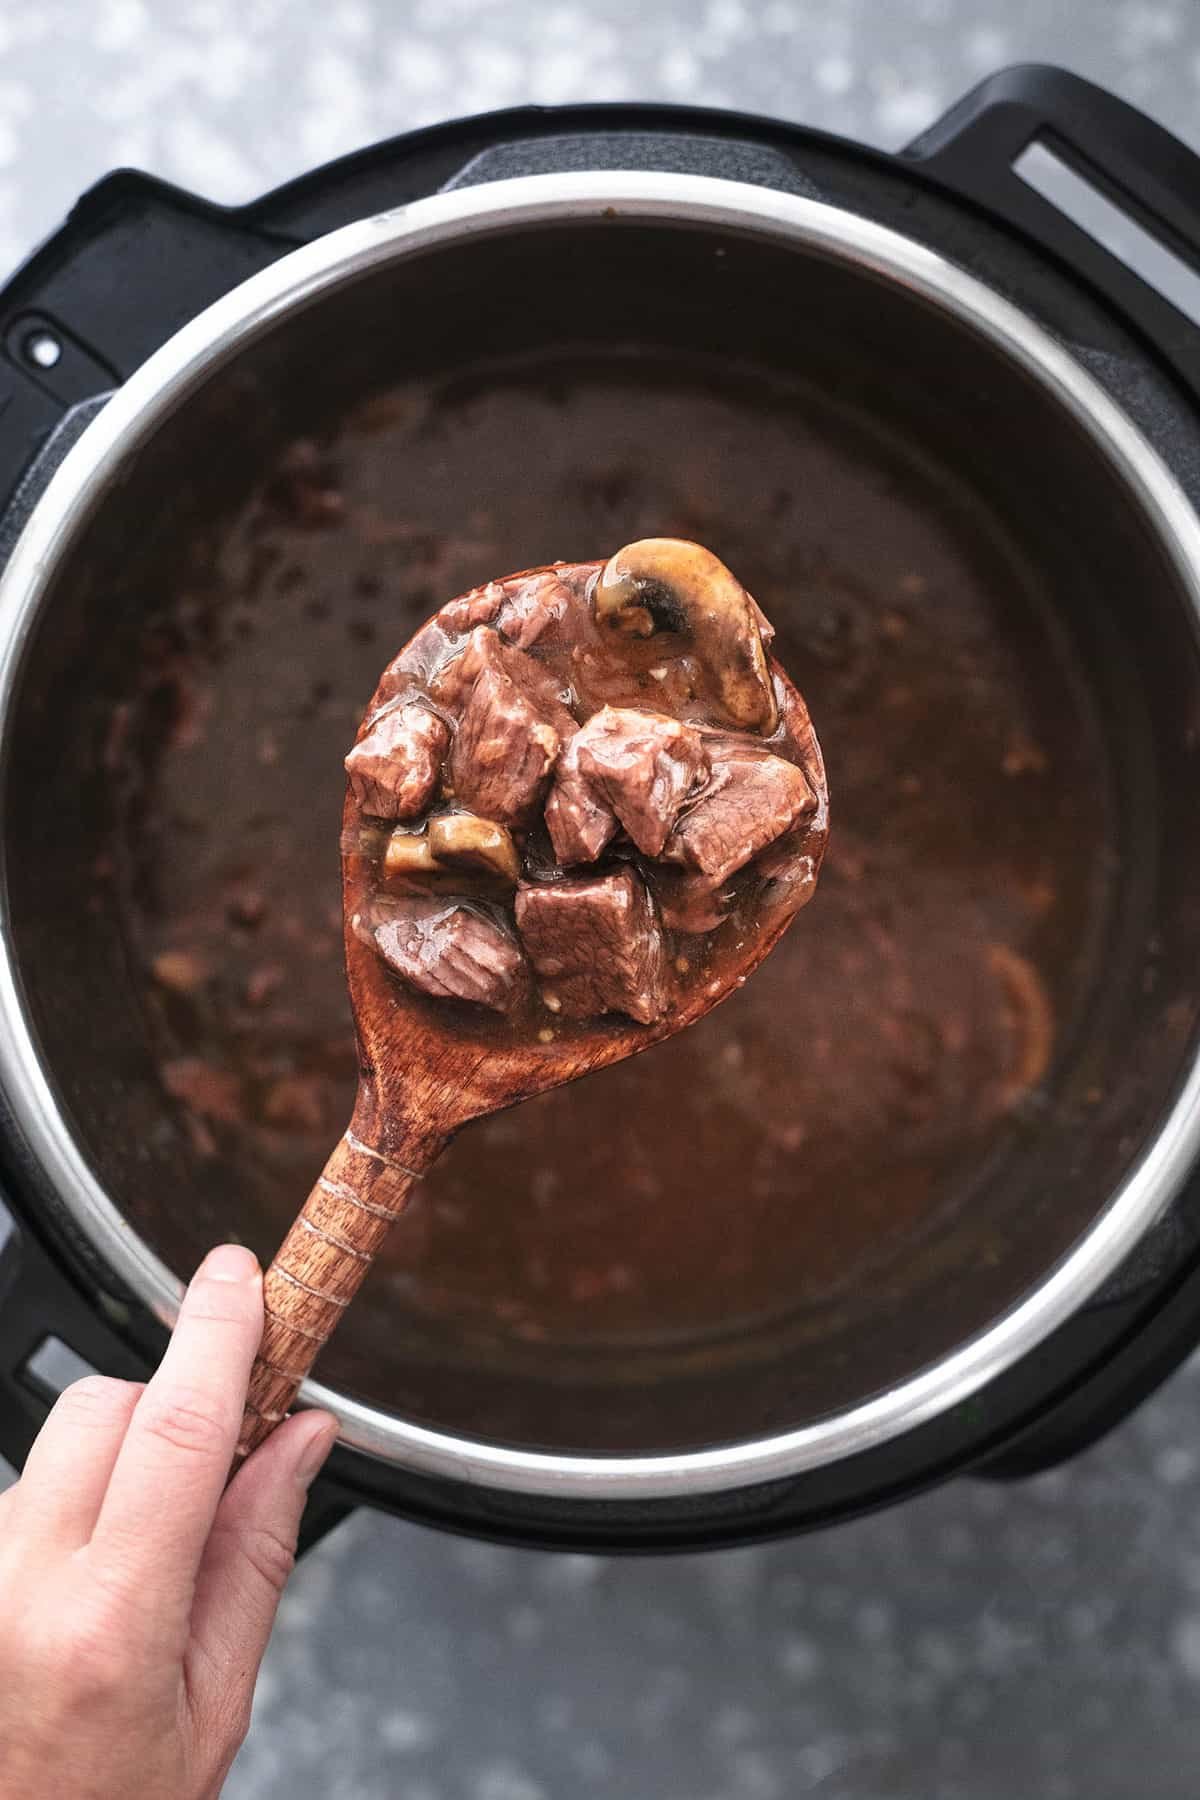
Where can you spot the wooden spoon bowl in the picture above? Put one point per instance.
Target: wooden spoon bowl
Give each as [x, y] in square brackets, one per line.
[426, 1070]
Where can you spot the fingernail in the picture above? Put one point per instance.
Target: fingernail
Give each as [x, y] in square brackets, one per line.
[316, 1448]
[230, 1262]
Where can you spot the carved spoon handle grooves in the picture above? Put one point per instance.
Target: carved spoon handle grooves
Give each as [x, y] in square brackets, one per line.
[321, 1265]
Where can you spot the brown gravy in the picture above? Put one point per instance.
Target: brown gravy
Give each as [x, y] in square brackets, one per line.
[762, 1161]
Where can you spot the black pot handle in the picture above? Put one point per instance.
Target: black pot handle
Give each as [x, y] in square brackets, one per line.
[1135, 164]
[51, 1333]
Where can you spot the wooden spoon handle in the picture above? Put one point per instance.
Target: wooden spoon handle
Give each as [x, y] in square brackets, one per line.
[320, 1266]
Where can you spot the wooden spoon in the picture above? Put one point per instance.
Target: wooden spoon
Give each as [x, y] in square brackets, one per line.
[423, 1075]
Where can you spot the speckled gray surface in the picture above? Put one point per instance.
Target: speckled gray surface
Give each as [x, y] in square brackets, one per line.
[1039, 1642]
[234, 96]
[982, 1643]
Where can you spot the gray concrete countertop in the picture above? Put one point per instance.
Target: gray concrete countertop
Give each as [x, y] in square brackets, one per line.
[982, 1643]
[231, 97]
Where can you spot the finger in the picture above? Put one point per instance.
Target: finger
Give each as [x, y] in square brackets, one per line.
[8, 1501]
[251, 1550]
[67, 1471]
[172, 1468]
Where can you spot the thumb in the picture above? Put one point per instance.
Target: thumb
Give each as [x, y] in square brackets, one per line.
[250, 1553]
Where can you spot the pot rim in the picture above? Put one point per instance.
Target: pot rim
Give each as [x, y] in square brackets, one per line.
[341, 257]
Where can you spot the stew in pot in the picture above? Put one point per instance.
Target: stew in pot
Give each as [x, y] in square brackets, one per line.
[767, 1162]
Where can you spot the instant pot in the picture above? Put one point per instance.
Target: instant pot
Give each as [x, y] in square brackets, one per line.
[939, 283]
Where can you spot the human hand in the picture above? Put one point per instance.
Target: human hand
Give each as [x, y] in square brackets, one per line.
[137, 1592]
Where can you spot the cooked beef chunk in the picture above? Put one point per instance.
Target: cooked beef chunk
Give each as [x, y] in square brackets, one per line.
[479, 607]
[644, 765]
[688, 901]
[520, 616]
[623, 767]
[597, 946]
[451, 686]
[394, 769]
[580, 823]
[305, 487]
[485, 650]
[750, 799]
[504, 751]
[205, 1088]
[510, 731]
[788, 863]
[648, 814]
[539, 602]
[454, 955]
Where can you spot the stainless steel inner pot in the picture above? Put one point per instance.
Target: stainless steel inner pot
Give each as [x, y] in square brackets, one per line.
[790, 284]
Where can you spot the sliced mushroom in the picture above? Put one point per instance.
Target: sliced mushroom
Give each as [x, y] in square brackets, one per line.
[408, 853]
[673, 584]
[465, 838]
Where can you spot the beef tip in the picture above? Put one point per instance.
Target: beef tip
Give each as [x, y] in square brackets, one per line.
[394, 769]
[205, 1088]
[485, 650]
[304, 487]
[454, 680]
[263, 982]
[479, 607]
[597, 946]
[520, 616]
[688, 901]
[624, 766]
[248, 906]
[503, 751]
[750, 799]
[453, 955]
[580, 823]
[181, 971]
[539, 602]
[296, 1101]
[512, 726]
[789, 865]
[644, 765]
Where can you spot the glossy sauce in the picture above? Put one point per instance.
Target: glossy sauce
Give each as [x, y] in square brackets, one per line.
[588, 665]
[765, 1159]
